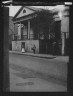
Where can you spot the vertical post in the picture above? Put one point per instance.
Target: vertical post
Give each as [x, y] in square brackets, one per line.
[14, 31]
[63, 43]
[6, 51]
[49, 33]
[28, 28]
[20, 30]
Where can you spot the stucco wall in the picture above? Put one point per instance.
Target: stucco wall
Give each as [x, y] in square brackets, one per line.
[16, 45]
[25, 30]
[31, 31]
[30, 43]
[65, 24]
[19, 31]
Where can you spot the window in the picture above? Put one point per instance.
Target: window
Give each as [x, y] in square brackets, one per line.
[24, 11]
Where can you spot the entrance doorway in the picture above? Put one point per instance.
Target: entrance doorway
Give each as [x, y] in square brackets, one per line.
[23, 45]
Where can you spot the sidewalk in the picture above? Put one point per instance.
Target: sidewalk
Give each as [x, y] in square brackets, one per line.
[46, 56]
[35, 55]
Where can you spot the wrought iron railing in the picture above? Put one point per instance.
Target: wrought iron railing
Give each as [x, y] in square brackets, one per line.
[31, 36]
[17, 37]
[23, 37]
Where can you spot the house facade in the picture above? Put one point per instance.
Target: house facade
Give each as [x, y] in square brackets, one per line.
[42, 28]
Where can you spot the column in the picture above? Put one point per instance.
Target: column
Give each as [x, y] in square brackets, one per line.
[14, 31]
[28, 28]
[20, 30]
[63, 43]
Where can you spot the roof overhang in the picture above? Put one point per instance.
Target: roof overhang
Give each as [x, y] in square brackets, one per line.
[25, 18]
[28, 7]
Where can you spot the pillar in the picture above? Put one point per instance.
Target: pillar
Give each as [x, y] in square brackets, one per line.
[63, 43]
[14, 31]
[20, 30]
[28, 28]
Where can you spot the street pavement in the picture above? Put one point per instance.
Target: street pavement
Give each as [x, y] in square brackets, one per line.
[29, 73]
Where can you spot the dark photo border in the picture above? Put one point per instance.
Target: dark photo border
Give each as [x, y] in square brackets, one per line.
[5, 54]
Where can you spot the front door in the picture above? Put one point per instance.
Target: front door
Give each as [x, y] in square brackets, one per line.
[23, 45]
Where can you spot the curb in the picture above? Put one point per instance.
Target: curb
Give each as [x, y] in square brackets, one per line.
[34, 55]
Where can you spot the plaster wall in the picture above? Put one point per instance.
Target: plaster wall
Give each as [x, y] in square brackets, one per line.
[16, 45]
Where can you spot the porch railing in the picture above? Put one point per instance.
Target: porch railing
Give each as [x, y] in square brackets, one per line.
[31, 36]
[23, 37]
[17, 37]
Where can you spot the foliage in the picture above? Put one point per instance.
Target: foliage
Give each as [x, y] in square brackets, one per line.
[43, 22]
